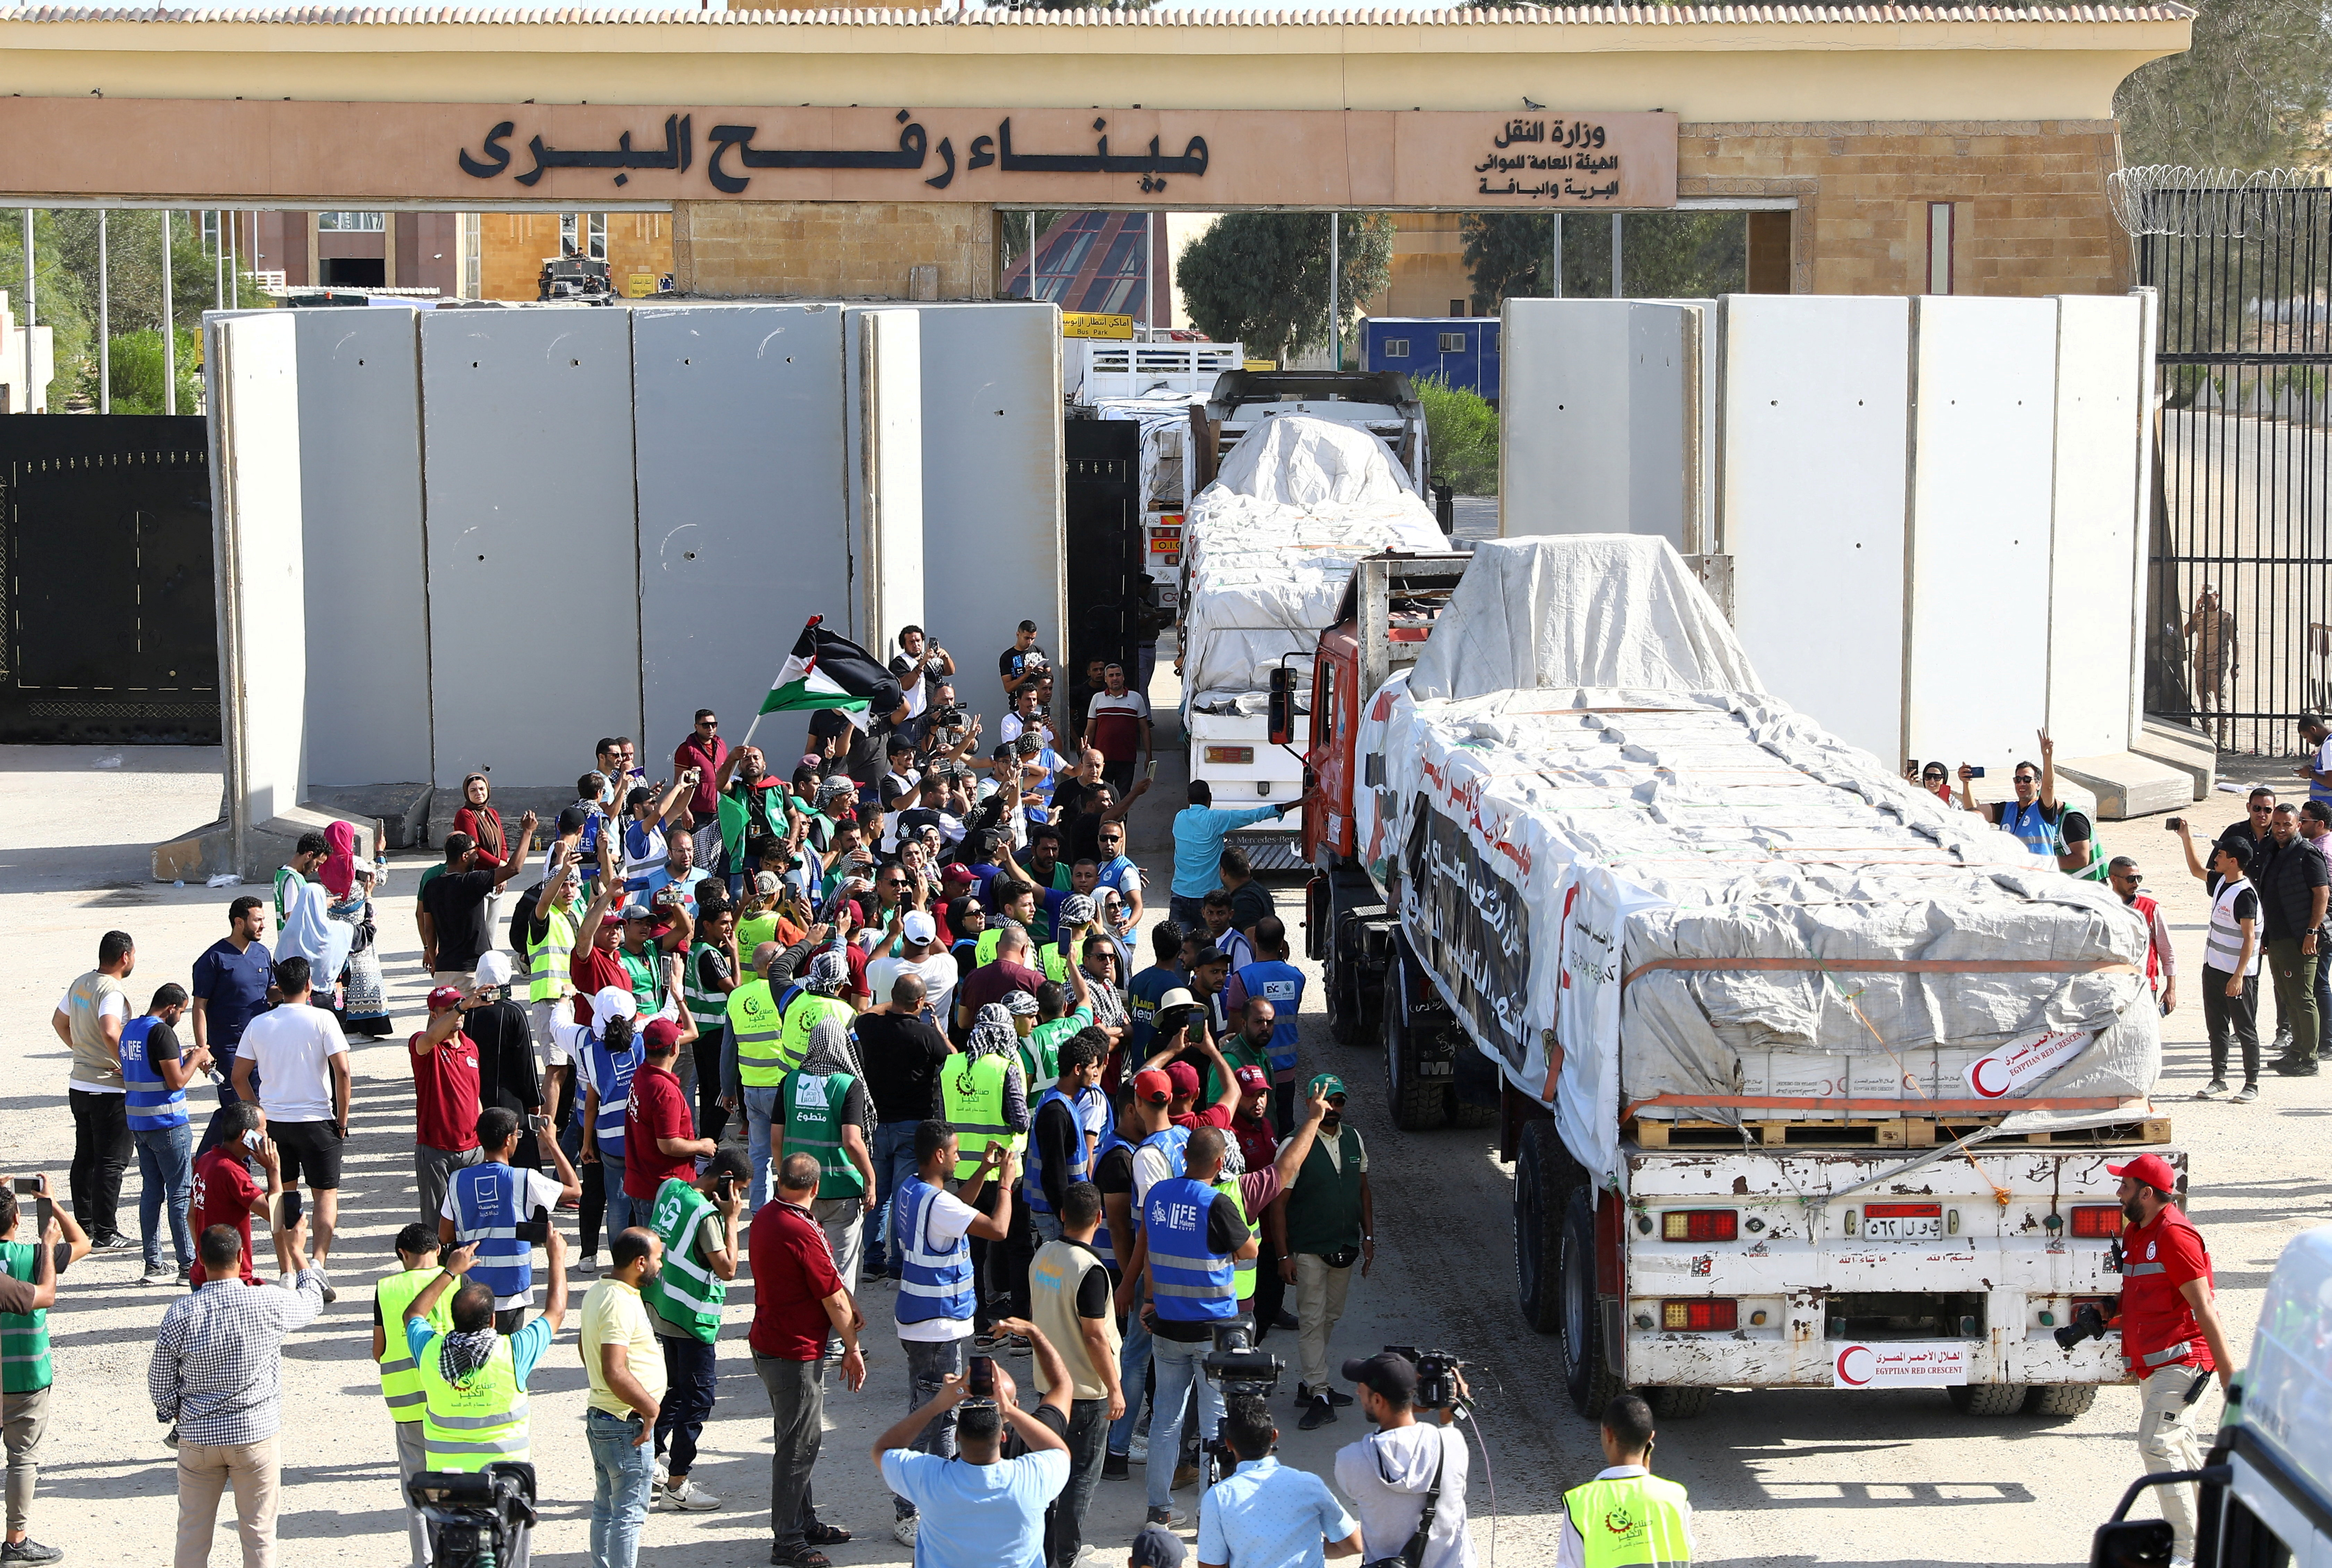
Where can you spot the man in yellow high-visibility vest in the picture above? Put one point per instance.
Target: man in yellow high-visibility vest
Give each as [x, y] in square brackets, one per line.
[1626, 1517]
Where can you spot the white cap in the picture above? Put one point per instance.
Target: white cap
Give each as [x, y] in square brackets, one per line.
[614, 1002]
[493, 969]
[765, 883]
[919, 927]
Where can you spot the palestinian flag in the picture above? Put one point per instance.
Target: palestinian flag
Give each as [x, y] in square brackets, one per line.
[825, 671]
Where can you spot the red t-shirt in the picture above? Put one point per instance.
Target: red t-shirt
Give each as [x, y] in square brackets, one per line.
[594, 971]
[793, 1272]
[657, 1108]
[446, 1093]
[2154, 1313]
[1257, 1141]
[990, 982]
[222, 1195]
[1212, 1116]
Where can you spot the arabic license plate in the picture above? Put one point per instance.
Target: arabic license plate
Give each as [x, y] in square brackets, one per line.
[1903, 1222]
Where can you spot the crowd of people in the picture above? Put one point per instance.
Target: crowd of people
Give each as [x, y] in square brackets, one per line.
[874, 1022]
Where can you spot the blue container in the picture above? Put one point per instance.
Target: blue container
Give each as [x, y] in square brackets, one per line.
[1462, 351]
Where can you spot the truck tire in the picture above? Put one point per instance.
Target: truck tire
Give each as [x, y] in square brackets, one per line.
[1585, 1372]
[1987, 1399]
[1344, 987]
[2060, 1400]
[1676, 1404]
[1418, 1103]
[1462, 1115]
[1543, 1175]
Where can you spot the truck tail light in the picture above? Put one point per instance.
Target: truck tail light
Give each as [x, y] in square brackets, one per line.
[1701, 1314]
[2096, 1220]
[1699, 1225]
[1230, 755]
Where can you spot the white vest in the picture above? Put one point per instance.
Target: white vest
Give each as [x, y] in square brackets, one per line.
[2223, 948]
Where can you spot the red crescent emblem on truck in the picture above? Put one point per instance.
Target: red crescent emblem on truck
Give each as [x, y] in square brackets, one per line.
[1855, 1364]
[1978, 1076]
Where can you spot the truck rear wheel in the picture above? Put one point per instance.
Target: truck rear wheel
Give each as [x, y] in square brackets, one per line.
[1585, 1372]
[1544, 1174]
[1344, 988]
[1418, 1103]
[2060, 1400]
[1987, 1399]
[1676, 1404]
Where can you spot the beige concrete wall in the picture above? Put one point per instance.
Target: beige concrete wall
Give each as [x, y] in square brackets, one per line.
[828, 250]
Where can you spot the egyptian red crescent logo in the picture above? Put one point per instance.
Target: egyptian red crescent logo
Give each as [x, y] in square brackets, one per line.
[1856, 1364]
[1978, 1073]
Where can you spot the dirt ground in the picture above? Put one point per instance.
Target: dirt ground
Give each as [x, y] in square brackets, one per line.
[1777, 1478]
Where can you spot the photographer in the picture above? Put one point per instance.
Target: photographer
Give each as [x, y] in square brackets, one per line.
[696, 1215]
[1391, 1474]
[1024, 663]
[988, 1511]
[1659, 1519]
[1264, 1514]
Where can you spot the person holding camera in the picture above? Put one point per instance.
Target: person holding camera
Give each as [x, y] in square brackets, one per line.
[987, 1511]
[28, 1288]
[491, 1209]
[696, 1214]
[1635, 1516]
[1407, 1480]
[445, 1096]
[400, 1378]
[1264, 1514]
[1322, 1225]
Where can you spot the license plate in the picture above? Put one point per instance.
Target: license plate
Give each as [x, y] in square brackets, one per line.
[1903, 1222]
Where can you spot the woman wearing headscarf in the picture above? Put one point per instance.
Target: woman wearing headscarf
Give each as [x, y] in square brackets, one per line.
[303, 928]
[1001, 1269]
[484, 823]
[349, 885]
[828, 1113]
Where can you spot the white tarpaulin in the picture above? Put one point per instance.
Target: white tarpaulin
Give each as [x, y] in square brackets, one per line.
[1686, 902]
[1265, 572]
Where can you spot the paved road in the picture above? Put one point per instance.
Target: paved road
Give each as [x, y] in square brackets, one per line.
[1778, 1479]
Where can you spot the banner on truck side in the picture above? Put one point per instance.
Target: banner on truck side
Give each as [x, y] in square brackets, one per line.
[2025, 1061]
[1899, 1364]
[1472, 926]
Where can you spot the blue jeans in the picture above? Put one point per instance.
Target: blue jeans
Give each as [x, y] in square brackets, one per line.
[1180, 1365]
[894, 1162]
[1133, 1366]
[165, 1169]
[929, 1362]
[622, 1471]
[760, 1106]
[620, 1208]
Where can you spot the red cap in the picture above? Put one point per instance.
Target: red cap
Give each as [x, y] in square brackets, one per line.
[955, 874]
[661, 1036]
[1184, 1076]
[1153, 1087]
[2152, 1169]
[1251, 1077]
[445, 996]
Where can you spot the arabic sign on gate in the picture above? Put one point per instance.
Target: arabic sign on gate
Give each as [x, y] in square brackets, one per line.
[507, 156]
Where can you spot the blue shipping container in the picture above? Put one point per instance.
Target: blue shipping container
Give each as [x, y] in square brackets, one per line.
[1462, 351]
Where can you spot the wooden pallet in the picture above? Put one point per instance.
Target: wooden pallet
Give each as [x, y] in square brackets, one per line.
[1878, 1132]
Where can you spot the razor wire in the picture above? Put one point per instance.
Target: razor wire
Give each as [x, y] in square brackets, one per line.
[2174, 199]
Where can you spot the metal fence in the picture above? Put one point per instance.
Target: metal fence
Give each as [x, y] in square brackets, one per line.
[2240, 589]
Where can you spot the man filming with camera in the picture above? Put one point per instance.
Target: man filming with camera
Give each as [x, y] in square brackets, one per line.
[1407, 1480]
[987, 1511]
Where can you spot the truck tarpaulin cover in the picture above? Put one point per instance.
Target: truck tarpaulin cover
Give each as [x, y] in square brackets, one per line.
[1268, 547]
[1638, 879]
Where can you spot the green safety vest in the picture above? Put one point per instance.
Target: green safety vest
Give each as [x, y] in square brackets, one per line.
[1233, 1188]
[685, 1292]
[1629, 1521]
[812, 1104]
[1055, 965]
[2095, 870]
[983, 952]
[753, 1027]
[646, 974]
[1323, 1206]
[550, 978]
[973, 1094]
[708, 1007]
[400, 1379]
[24, 1335]
[802, 1014]
[469, 1425]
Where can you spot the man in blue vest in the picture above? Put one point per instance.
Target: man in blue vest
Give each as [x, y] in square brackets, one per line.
[156, 1074]
[2034, 815]
[490, 1203]
[1279, 983]
[1194, 1240]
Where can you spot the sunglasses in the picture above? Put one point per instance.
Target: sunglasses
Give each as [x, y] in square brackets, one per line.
[708, 724]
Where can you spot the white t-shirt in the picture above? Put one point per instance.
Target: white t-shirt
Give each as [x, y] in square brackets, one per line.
[1151, 1166]
[1009, 730]
[948, 1217]
[115, 1005]
[939, 972]
[541, 1192]
[289, 1047]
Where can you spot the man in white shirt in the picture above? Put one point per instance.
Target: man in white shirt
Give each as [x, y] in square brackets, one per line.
[300, 1060]
[1388, 1474]
[920, 951]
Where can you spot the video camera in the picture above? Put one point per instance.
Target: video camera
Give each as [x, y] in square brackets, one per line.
[1237, 1364]
[474, 1518]
[1437, 1375]
[949, 716]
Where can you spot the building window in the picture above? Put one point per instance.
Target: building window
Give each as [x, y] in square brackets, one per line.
[471, 248]
[1453, 342]
[1941, 234]
[585, 233]
[352, 223]
[1396, 348]
[1458, 307]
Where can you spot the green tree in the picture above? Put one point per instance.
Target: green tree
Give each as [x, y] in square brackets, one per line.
[2249, 94]
[1261, 279]
[137, 373]
[1462, 430]
[1665, 256]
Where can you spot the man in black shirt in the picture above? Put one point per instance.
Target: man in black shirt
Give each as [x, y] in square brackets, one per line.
[903, 1056]
[503, 1034]
[2293, 888]
[1058, 1134]
[1024, 663]
[453, 905]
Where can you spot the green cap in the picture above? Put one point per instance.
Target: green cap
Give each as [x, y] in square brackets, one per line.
[1327, 1084]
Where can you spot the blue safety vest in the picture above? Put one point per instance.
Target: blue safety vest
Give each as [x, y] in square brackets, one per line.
[1080, 1162]
[1189, 1283]
[1173, 1141]
[1103, 1245]
[1281, 985]
[935, 1283]
[486, 1199]
[611, 1074]
[2040, 834]
[154, 1105]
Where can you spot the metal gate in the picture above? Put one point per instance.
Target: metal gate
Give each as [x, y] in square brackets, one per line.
[2240, 622]
[110, 622]
[1101, 500]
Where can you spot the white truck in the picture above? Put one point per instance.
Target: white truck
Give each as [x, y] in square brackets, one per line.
[1807, 1080]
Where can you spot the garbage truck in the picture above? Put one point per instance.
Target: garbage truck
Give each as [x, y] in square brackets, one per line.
[1807, 1080]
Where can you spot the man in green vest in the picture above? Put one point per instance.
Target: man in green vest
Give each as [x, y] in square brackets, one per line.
[26, 1373]
[699, 1225]
[400, 1378]
[753, 1064]
[828, 1115]
[985, 1096]
[1626, 1517]
[1326, 1223]
[557, 911]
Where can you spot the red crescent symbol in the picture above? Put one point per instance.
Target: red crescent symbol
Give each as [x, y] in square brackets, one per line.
[1975, 1077]
[1847, 1377]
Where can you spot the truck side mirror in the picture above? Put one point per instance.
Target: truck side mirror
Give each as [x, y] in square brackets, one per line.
[2131, 1543]
[1281, 707]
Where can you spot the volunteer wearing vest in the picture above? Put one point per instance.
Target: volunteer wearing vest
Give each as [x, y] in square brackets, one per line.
[90, 1018]
[1626, 1517]
[2231, 959]
[486, 1203]
[156, 1075]
[1280, 983]
[1060, 1154]
[1324, 1224]
[753, 1059]
[829, 1117]
[473, 1376]
[1069, 1302]
[1195, 1240]
[549, 951]
[2033, 815]
[936, 1298]
[1390, 1474]
[2161, 957]
[986, 1100]
[1265, 1514]
[610, 1057]
[696, 1217]
[30, 1271]
[714, 972]
[2170, 1330]
[400, 1376]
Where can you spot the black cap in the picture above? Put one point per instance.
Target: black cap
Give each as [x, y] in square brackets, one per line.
[571, 819]
[1389, 1376]
[640, 795]
[1156, 1547]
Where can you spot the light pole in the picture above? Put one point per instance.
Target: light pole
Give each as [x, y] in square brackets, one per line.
[169, 327]
[104, 326]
